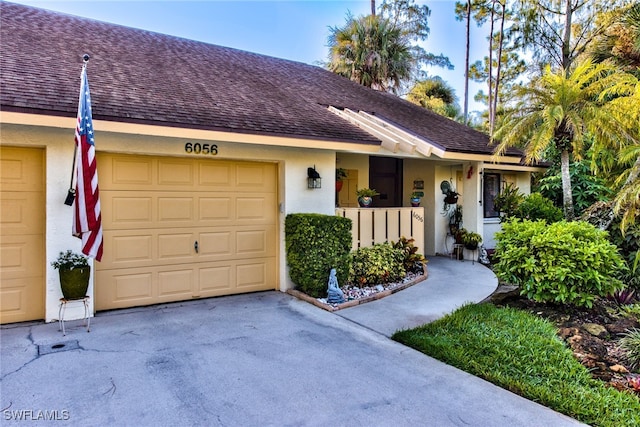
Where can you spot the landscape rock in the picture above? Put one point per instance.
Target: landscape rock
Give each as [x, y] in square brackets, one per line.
[595, 330]
[619, 369]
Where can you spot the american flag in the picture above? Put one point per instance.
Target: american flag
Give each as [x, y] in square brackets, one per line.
[87, 218]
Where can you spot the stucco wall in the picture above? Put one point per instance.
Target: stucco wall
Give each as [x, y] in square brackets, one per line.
[294, 196]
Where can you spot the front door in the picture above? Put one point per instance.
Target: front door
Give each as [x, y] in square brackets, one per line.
[385, 176]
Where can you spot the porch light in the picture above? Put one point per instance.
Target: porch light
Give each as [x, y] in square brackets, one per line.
[313, 178]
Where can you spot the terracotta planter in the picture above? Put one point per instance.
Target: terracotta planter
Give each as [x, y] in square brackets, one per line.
[339, 185]
[74, 283]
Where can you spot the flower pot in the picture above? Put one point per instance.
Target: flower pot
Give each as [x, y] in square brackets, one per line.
[339, 185]
[74, 283]
[451, 199]
[415, 202]
[365, 201]
[471, 246]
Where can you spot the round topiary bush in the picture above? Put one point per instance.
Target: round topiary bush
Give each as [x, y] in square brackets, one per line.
[565, 262]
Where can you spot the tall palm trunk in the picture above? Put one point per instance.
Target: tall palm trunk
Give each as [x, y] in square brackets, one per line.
[492, 119]
[567, 195]
[373, 7]
[566, 40]
[466, 65]
[490, 94]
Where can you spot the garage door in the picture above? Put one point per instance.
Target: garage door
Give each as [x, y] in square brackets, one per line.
[22, 219]
[177, 229]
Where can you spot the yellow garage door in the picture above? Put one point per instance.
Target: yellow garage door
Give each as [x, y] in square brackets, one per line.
[22, 218]
[177, 229]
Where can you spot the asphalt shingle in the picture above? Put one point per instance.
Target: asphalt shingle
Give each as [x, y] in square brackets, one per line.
[139, 76]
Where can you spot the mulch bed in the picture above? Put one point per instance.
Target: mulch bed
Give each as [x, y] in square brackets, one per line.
[593, 334]
[360, 295]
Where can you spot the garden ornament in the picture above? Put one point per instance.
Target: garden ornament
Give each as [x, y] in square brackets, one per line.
[484, 256]
[335, 295]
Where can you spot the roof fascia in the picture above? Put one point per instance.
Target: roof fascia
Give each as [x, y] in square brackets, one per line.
[185, 133]
[515, 168]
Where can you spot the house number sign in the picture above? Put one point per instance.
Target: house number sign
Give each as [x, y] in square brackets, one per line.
[197, 148]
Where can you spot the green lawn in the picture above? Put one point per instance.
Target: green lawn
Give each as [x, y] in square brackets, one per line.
[521, 352]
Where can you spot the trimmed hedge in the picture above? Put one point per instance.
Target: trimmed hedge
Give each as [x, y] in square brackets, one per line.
[564, 262]
[315, 244]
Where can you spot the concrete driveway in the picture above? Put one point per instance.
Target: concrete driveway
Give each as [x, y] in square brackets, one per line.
[263, 359]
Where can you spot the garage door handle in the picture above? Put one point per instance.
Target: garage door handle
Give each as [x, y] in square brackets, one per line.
[195, 246]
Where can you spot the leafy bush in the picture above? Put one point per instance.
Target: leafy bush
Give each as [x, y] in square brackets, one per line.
[629, 247]
[413, 261]
[508, 201]
[630, 343]
[513, 204]
[586, 188]
[381, 263]
[315, 244]
[535, 207]
[565, 262]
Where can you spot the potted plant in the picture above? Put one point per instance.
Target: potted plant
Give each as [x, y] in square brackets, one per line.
[455, 219]
[74, 272]
[341, 174]
[471, 240]
[415, 198]
[365, 196]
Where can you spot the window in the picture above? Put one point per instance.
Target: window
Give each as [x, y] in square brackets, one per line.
[491, 188]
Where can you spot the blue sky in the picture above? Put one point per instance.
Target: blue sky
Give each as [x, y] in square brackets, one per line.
[289, 29]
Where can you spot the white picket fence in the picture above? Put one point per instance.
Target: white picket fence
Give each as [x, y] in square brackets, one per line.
[378, 225]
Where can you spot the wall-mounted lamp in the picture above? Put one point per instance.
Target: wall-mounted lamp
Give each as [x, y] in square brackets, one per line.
[313, 178]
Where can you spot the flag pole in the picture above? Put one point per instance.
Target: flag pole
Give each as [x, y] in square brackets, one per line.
[71, 194]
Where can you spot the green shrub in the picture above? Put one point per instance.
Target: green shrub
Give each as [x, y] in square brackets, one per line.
[535, 207]
[315, 244]
[413, 261]
[381, 263]
[629, 247]
[565, 262]
[508, 201]
[630, 343]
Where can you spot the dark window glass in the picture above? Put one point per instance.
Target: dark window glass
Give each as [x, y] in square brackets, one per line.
[490, 191]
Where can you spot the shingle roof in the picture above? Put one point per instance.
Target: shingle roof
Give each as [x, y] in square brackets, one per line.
[144, 77]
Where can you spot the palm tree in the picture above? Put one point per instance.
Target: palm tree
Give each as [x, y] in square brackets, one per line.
[436, 95]
[372, 52]
[563, 108]
[620, 42]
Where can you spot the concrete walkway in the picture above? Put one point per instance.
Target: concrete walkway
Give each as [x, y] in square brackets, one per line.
[264, 359]
[450, 284]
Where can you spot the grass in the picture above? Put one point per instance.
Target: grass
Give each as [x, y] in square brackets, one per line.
[522, 353]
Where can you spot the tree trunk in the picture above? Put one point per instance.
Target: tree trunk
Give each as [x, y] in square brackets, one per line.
[566, 41]
[373, 7]
[466, 65]
[490, 66]
[492, 119]
[567, 196]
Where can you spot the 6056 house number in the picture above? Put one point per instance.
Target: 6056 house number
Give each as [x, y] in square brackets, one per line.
[197, 148]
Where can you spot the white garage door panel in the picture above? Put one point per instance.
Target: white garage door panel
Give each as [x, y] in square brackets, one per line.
[157, 209]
